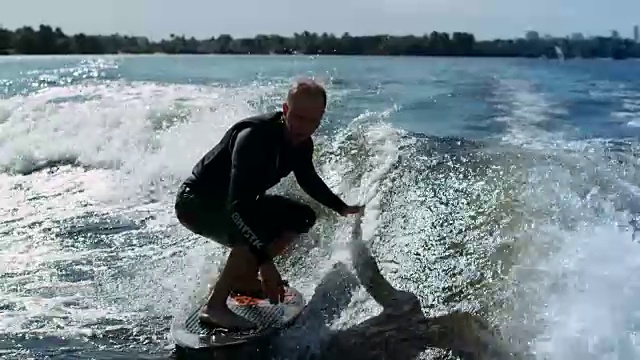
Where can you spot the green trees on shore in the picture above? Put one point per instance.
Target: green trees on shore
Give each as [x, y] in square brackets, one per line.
[47, 40]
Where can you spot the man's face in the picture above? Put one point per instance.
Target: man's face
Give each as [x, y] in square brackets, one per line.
[302, 116]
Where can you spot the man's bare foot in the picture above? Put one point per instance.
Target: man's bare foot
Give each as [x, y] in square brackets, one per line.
[223, 317]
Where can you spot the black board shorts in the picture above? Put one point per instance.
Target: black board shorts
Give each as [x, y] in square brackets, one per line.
[209, 218]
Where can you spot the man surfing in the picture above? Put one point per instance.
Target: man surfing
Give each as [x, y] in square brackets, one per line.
[224, 198]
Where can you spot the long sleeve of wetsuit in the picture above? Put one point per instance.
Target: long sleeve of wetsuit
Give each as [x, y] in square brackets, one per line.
[250, 158]
[313, 185]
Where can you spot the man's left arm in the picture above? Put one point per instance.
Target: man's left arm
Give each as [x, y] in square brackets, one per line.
[312, 184]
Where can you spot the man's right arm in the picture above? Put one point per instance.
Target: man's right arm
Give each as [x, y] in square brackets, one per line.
[249, 161]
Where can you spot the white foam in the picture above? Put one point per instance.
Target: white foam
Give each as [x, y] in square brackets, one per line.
[526, 110]
[115, 125]
[630, 111]
[572, 293]
[381, 142]
[593, 305]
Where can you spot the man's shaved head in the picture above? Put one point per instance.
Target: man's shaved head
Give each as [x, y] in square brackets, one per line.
[306, 88]
[304, 108]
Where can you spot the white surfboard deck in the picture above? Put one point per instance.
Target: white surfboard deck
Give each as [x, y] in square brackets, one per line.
[188, 332]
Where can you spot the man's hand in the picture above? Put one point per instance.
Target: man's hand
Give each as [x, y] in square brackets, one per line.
[353, 209]
[272, 283]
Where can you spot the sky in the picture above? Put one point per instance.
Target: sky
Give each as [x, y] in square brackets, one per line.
[486, 19]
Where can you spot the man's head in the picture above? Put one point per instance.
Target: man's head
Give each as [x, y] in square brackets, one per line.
[303, 110]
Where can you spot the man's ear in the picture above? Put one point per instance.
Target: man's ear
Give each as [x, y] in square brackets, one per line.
[285, 108]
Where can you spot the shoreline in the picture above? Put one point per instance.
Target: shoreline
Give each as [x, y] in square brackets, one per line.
[159, 54]
[45, 40]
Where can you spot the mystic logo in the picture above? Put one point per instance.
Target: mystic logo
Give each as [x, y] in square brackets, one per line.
[246, 232]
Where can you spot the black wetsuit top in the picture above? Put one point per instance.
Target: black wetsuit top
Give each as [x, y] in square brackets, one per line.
[253, 156]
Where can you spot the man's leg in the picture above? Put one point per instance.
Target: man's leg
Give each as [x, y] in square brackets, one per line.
[282, 218]
[240, 266]
[240, 274]
[240, 270]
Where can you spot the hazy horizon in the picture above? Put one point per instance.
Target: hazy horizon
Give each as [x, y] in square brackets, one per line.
[486, 19]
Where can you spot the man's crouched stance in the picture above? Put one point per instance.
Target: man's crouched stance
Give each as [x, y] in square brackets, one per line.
[284, 219]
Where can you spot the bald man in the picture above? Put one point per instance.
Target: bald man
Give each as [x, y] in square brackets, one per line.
[224, 198]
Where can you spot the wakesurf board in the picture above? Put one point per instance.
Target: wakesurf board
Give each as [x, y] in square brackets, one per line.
[189, 333]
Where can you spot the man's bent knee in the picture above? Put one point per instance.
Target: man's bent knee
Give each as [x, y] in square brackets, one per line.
[280, 214]
[300, 217]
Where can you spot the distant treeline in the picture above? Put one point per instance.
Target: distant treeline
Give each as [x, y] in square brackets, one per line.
[46, 40]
